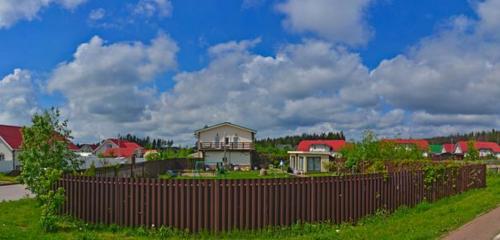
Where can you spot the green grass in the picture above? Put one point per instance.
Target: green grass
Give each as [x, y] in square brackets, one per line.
[276, 173]
[19, 220]
[7, 179]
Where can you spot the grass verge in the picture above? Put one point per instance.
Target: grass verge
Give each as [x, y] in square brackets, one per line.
[4, 179]
[19, 220]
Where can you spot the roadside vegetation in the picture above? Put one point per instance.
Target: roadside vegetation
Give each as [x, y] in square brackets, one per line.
[425, 221]
[5, 179]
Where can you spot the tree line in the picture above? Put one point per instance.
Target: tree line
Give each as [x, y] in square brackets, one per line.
[147, 142]
[295, 139]
[487, 136]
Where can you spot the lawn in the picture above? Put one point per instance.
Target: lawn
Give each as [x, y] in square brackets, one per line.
[272, 173]
[4, 179]
[426, 221]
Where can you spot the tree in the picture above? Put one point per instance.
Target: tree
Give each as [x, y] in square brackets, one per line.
[45, 156]
[472, 152]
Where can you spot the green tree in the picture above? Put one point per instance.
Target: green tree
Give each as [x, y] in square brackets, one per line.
[45, 156]
[472, 152]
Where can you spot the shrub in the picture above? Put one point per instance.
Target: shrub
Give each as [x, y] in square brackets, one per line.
[44, 158]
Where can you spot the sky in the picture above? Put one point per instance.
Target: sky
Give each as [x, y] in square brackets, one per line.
[164, 68]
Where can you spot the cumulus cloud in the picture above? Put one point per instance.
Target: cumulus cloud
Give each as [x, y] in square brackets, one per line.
[338, 21]
[12, 11]
[448, 80]
[17, 98]
[106, 84]
[150, 8]
[452, 72]
[303, 85]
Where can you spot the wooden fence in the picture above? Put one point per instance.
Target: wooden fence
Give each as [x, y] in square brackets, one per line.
[222, 205]
[148, 168]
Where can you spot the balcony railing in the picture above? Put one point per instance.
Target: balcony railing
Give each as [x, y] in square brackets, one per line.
[225, 146]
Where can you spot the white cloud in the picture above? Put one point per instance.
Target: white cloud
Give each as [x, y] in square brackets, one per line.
[150, 8]
[301, 86]
[97, 14]
[105, 84]
[453, 72]
[12, 11]
[17, 98]
[336, 20]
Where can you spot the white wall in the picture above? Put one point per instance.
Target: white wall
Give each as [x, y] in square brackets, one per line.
[5, 150]
[223, 131]
[6, 166]
[104, 146]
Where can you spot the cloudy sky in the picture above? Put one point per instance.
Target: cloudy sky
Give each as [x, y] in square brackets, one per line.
[164, 68]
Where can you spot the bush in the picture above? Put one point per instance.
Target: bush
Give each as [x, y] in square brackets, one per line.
[44, 158]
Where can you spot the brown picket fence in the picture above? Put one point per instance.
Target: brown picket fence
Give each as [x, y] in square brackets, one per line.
[222, 205]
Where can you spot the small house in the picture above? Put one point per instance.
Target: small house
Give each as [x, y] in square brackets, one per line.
[311, 155]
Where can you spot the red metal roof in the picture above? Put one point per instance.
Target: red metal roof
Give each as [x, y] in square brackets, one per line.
[492, 146]
[14, 137]
[336, 145]
[448, 147]
[420, 143]
[125, 149]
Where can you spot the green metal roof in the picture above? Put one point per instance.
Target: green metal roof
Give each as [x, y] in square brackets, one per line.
[435, 148]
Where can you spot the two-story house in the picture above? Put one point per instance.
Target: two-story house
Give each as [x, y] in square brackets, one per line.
[311, 155]
[226, 143]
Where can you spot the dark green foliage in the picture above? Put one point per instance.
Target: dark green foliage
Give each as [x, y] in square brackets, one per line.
[487, 136]
[147, 143]
[292, 141]
[472, 152]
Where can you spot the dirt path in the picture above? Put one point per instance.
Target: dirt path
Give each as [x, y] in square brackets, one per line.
[13, 192]
[484, 227]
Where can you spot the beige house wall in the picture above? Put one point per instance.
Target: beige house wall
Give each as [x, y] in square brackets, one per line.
[295, 157]
[225, 131]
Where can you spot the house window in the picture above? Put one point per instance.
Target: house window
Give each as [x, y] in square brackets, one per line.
[2, 157]
[313, 163]
[226, 140]
[235, 138]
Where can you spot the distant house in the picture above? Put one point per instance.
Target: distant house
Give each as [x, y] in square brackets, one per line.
[226, 143]
[485, 149]
[88, 148]
[113, 148]
[311, 155]
[11, 140]
[421, 144]
[447, 148]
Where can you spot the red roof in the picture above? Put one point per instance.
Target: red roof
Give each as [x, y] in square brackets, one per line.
[14, 137]
[420, 143]
[492, 146]
[125, 149]
[336, 145]
[448, 147]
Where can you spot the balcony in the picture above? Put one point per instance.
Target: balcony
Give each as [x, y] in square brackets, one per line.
[225, 146]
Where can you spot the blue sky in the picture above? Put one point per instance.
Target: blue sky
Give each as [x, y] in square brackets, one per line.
[283, 67]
